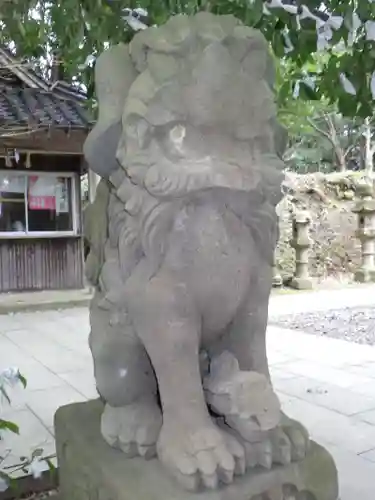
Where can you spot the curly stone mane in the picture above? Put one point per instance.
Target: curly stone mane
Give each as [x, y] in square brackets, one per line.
[182, 139]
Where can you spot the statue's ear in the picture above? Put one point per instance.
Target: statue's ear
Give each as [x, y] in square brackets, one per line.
[114, 75]
[100, 149]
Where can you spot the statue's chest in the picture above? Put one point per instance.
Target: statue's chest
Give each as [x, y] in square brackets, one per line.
[214, 253]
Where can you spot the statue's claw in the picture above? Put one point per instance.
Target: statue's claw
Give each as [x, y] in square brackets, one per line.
[134, 429]
[250, 411]
[286, 443]
[200, 457]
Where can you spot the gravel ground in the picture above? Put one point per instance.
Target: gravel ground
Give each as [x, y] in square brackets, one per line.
[355, 324]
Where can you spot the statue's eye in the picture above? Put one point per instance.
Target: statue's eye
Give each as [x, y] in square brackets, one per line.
[177, 134]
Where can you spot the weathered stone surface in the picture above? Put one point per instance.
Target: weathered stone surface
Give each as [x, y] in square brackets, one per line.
[90, 469]
[187, 252]
[114, 74]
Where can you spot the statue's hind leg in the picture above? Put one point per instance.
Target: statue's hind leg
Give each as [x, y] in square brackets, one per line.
[126, 382]
[246, 340]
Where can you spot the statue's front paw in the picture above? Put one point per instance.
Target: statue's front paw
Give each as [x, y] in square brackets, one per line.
[286, 443]
[200, 455]
[134, 428]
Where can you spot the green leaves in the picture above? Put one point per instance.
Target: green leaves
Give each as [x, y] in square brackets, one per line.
[35, 464]
[9, 426]
[4, 394]
[9, 377]
[22, 379]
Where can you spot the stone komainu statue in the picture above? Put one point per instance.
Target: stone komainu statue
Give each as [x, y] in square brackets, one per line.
[182, 236]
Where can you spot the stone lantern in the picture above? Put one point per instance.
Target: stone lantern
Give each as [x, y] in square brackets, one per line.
[301, 243]
[365, 210]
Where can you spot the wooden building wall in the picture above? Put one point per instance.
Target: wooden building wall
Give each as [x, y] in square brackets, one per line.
[45, 163]
[41, 264]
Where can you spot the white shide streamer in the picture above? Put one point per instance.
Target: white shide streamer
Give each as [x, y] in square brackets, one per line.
[347, 84]
[324, 30]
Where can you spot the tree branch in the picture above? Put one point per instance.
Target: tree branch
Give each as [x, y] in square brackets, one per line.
[321, 131]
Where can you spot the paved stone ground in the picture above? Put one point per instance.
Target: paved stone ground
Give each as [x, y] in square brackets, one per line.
[328, 384]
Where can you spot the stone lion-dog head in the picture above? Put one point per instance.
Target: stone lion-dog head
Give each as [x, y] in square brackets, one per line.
[165, 132]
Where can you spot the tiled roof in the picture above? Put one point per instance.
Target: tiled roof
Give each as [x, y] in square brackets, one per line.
[34, 107]
[17, 72]
[27, 99]
[14, 71]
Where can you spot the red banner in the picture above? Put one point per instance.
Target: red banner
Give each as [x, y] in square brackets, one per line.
[42, 193]
[42, 203]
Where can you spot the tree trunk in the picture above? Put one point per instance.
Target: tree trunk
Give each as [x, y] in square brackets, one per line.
[57, 70]
[340, 159]
[339, 153]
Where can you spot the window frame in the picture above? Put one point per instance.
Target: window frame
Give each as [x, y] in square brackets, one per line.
[74, 204]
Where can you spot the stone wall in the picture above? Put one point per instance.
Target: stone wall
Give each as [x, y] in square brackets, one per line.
[335, 251]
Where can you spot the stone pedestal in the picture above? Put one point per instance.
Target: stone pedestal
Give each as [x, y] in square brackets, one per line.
[365, 209]
[301, 243]
[90, 469]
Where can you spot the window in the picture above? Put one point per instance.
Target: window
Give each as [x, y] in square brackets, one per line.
[37, 203]
[12, 203]
[49, 204]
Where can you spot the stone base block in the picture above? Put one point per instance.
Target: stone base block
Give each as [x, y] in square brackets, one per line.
[301, 284]
[90, 469]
